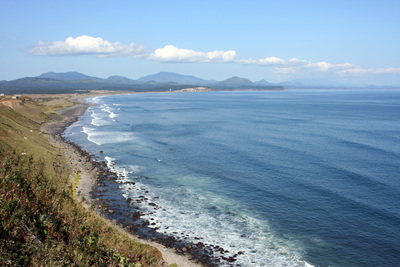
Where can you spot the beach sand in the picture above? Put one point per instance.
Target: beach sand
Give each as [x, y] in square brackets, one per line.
[89, 170]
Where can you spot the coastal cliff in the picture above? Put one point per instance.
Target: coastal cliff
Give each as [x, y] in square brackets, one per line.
[42, 219]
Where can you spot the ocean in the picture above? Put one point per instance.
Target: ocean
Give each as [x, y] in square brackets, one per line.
[276, 178]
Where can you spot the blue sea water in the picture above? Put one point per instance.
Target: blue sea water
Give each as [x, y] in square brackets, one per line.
[289, 178]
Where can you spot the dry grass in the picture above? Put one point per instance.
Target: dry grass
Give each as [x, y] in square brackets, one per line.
[54, 103]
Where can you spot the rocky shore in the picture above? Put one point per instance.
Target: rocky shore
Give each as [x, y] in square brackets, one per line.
[96, 189]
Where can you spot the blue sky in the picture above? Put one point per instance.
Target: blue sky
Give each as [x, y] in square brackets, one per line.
[353, 42]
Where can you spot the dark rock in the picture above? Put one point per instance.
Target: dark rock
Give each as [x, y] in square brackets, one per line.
[136, 215]
[231, 259]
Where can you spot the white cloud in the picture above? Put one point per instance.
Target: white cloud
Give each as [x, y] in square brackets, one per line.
[358, 71]
[263, 61]
[294, 62]
[170, 53]
[388, 70]
[87, 45]
[294, 65]
[355, 71]
[325, 66]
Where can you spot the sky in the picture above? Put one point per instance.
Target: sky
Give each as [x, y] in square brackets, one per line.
[345, 42]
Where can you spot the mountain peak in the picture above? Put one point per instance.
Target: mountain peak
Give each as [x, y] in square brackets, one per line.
[263, 82]
[68, 76]
[166, 77]
[119, 80]
[237, 81]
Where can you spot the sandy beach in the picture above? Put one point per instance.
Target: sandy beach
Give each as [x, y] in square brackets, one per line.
[91, 171]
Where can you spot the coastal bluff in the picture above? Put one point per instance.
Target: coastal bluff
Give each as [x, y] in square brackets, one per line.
[44, 220]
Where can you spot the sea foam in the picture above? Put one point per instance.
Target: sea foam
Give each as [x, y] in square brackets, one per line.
[179, 211]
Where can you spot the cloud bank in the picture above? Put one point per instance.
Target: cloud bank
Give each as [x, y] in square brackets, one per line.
[170, 53]
[358, 71]
[268, 61]
[294, 64]
[300, 66]
[87, 45]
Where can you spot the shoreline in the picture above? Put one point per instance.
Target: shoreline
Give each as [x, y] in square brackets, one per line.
[93, 175]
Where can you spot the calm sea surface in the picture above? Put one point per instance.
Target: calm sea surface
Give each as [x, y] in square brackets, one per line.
[288, 178]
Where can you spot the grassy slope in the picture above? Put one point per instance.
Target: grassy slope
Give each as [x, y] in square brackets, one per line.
[41, 223]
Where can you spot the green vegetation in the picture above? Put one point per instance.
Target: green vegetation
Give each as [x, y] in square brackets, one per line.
[49, 86]
[41, 222]
[73, 82]
[54, 103]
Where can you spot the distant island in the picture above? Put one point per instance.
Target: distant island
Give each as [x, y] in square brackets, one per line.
[75, 82]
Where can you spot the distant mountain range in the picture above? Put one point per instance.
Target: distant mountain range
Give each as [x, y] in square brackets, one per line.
[52, 82]
[76, 76]
[166, 77]
[67, 76]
